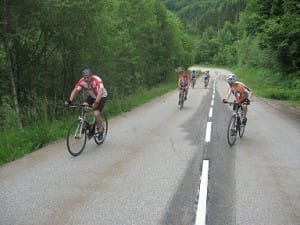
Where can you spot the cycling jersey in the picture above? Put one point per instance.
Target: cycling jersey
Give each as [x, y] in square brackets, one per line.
[92, 87]
[184, 80]
[240, 91]
[193, 74]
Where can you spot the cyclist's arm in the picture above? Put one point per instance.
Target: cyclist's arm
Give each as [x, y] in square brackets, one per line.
[73, 94]
[99, 95]
[228, 93]
[178, 83]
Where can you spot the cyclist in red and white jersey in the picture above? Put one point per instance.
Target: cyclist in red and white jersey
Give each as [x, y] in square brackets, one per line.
[184, 81]
[97, 93]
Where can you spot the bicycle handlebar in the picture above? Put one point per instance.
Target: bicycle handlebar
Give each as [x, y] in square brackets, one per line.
[234, 102]
[79, 105]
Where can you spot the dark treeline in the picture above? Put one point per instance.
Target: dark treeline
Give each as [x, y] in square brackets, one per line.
[45, 44]
[256, 33]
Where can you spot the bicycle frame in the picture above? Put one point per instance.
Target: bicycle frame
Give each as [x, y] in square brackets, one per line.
[83, 129]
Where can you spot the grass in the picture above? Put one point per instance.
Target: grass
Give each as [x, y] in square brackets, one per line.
[269, 84]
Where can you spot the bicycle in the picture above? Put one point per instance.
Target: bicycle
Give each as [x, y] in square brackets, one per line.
[83, 129]
[182, 97]
[235, 125]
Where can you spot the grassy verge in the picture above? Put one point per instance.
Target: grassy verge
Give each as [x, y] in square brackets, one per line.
[16, 143]
[269, 84]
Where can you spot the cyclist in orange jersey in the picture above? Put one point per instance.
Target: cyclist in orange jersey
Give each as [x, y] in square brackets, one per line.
[241, 92]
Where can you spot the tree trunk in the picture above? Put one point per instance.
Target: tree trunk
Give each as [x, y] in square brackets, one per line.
[10, 66]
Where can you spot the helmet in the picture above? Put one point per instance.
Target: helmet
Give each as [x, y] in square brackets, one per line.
[231, 78]
[87, 72]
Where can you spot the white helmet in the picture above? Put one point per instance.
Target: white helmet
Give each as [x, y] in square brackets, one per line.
[231, 78]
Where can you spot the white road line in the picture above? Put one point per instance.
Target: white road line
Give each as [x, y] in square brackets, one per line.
[208, 131]
[201, 208]
[210, 112]
[212, 102]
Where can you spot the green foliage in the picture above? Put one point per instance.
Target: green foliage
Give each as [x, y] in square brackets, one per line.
[267, 83]
[254, 32]
[130, 44]
[16, 143]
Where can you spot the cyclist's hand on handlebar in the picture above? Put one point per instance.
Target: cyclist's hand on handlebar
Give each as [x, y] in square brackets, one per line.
[224, 100]
[68, 103]
[95, 105]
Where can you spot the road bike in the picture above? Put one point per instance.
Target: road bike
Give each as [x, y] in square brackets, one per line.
[84, 128]
[182, 97]
[235, 125]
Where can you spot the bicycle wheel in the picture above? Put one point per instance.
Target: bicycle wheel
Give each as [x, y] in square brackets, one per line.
[76, 138]
[99, 138]
[181, 99]
[232, 131]
[241, 129]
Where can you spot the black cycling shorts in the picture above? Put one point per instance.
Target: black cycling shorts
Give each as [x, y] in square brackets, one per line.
[101, 104]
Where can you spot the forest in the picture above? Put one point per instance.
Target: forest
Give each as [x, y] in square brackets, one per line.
[134, 45]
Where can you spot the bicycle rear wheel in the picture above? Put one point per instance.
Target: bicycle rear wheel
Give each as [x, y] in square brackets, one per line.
[100, 138]
[181, 99]
[241, 129]
[76, 138]
[232, 131]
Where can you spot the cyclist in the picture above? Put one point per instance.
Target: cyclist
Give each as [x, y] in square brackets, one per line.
[193, 74]
[96, 94]
[206, 76]
[184, 81]
[241, 92]
[193, 77]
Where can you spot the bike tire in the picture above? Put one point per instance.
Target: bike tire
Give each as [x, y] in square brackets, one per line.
[241, 129]
[232, 131]
[205, 84]
[76, 138]
[100, 139]
[181, 99]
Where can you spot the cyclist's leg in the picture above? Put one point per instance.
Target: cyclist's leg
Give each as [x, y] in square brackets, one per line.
[98, 116]
[186, 92]
[245, 110]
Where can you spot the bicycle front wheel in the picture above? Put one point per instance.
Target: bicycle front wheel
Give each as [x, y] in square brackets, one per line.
[99, 138]
[232, 131]
[76, 138]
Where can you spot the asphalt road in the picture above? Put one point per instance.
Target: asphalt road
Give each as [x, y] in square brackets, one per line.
[148, 170]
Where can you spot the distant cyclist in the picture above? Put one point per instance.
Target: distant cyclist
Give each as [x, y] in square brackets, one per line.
[241, 92]
[193, 76]
[96, 91]
[184, 81]
[206, 75]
